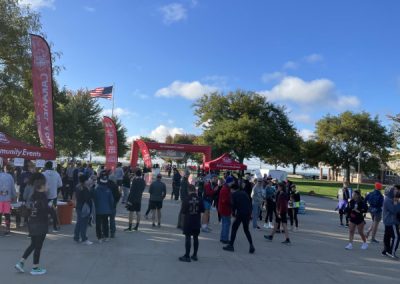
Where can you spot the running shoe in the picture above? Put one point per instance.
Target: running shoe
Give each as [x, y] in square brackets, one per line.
[364, 246]
[286, 242]
[87, 242]
[374, 241]
[20, 267]
[38, 271]
[252, 250]
[228, 248]
[349, 246]
[184, 258]
[128, 230]
[266, 226]
[269, 238]
[194, 258]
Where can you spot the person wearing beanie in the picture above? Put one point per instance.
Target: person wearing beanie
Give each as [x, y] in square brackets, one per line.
[104, 204]
[134, 202]
[374, 200]
[241, 210]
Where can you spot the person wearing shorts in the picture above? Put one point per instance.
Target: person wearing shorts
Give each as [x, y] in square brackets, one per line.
[357, 209]
[281, 214]
[7, 195]
[158, 191]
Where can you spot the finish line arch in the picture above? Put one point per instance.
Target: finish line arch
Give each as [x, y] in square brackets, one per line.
[145, 148]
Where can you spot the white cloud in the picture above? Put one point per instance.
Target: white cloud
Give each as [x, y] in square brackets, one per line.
[306, 134]
[314, 58]
[170, 121]
[188, 90]
[290, 65]
[275, 76]
[89, 9]
[130, 139]
[118, 112]
[173, 12]
[162, 131]
[37, 4]
[320, 92]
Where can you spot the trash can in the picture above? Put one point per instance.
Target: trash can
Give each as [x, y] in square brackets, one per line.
[65, 210]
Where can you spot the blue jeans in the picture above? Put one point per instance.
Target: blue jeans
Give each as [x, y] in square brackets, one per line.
[255, 215]
[113, 228]
[225, 227]
[80, 226]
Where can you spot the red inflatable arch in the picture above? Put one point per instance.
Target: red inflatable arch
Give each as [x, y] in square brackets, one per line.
[145, 148]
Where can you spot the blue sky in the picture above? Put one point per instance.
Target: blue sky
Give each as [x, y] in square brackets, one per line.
[314, 57]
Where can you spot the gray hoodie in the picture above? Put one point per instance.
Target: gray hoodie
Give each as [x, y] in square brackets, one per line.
[390, 210]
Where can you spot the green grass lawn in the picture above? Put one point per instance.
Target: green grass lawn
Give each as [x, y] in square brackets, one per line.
[325, 188]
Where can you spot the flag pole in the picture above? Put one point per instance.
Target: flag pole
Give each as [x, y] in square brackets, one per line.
[112, 110]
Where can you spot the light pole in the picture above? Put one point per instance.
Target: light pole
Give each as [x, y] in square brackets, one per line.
[359, 170]
[90, 151]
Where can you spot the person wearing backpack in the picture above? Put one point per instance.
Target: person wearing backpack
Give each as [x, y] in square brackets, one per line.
[83, 211]
[38, 224]
[375, 202]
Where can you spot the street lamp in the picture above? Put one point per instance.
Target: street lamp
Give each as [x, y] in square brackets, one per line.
[359, 171]
[90, 151]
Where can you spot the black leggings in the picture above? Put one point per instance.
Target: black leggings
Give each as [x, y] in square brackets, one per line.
[245, 221]
[391, 239]
[36, 247]
[188, 244]
[293, 215]
[270, 210]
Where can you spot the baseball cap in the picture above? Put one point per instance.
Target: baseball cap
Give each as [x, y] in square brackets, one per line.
[159, 175]
[229, 179]
[103, 178]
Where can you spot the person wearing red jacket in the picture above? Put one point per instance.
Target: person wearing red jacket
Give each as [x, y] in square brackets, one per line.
[281, 214]
[225, 209]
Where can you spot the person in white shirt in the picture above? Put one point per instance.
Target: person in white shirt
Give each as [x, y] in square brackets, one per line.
[53, 183]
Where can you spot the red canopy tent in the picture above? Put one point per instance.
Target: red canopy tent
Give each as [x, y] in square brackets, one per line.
[12, 148]
[225, 162]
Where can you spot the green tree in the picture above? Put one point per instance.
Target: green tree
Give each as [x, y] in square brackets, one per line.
[349, 134]
[242, 123]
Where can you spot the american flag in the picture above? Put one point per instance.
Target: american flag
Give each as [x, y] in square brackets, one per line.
[102, 92]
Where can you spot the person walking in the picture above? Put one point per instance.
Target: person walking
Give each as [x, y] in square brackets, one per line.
[241, 210]
[104, 205]
[225, 209]
[270, 203]
[357, 209]
[37, 224]
[344, 196]
[192, 207]
[83, 211]
[293, 208]
[210, 188]
[113, 185]
[158, 191]
[280, 214]
[53, 183]
[134, 201]
[257, 197]
[391, 214]
[374, 200]
[7, 195]
[183, 193]
[126, 185]
[176, 183]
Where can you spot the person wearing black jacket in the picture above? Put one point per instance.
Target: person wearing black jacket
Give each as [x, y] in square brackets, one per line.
[134, 202]
[38, 224]
[116, 195]
[192, 207]
[241, 210]
[83, 210]
[357, 209]
[184, 193]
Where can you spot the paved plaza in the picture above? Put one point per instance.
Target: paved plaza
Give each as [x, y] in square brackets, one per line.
[317, 254]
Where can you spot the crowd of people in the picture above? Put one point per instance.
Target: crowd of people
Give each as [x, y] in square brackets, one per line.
[353, 207]
[247, 200]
